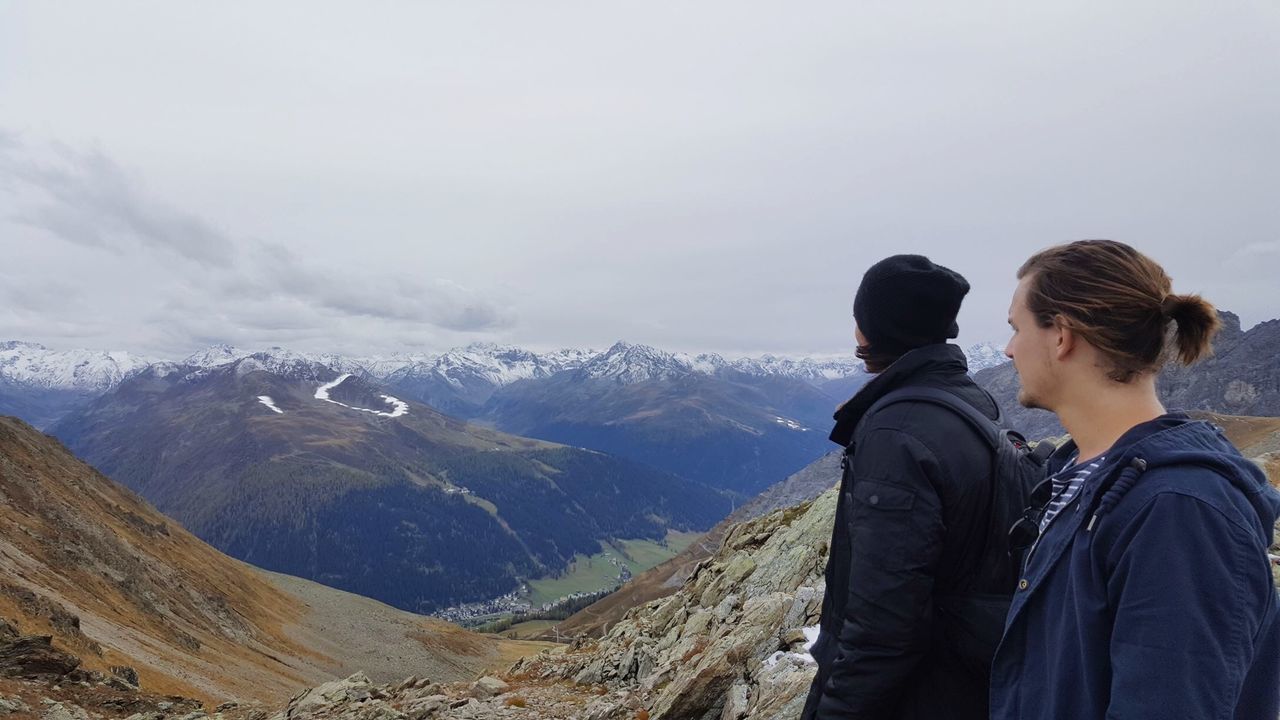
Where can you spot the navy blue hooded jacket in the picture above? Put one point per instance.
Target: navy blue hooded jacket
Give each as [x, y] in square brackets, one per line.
[1151, 595]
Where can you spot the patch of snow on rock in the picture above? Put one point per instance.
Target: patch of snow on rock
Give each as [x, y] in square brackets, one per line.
[804, 658]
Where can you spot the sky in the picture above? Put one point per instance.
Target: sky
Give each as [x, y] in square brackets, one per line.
[381, 177]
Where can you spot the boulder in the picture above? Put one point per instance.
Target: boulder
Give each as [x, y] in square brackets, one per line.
[488, 686]
[32, 657]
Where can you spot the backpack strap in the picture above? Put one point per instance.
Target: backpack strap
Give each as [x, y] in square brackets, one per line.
[990, 430]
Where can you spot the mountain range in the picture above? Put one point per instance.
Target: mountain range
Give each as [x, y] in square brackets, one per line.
[736, 424]
[31, 373]
[286, 463]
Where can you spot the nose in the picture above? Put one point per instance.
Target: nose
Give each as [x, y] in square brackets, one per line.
[1008, 351]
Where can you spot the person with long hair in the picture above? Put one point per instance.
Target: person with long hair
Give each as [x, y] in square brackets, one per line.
[1146, 589]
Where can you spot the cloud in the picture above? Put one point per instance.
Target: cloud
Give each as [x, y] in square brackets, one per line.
[222, 287]
[1252, 253]
[86, 198]
[396, 296]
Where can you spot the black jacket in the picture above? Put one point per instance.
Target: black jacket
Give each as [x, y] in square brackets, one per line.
[910, 527]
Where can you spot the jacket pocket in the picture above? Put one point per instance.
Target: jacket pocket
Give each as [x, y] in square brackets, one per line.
[880, 526]
[882, 496]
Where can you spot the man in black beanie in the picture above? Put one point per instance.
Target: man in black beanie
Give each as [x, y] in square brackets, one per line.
[913, 606]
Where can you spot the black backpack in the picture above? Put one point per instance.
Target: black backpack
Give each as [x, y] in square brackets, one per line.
[1017, 469]
[968, 626]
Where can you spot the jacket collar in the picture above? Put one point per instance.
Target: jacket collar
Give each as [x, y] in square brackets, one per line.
[940, 358]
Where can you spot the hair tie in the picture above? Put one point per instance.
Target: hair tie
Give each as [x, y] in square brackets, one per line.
[1170, 304]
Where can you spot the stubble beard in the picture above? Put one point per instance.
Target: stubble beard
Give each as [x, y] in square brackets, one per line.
[1029, 401]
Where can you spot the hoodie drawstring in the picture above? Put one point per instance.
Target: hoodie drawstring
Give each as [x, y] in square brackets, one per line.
[1112, 496]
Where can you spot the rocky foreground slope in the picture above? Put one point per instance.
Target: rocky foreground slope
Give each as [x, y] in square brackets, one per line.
[729, 644]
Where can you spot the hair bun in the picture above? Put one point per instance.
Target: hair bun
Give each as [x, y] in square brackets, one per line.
[1197, 322]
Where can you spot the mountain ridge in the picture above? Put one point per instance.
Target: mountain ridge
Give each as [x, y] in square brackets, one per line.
[332, 474]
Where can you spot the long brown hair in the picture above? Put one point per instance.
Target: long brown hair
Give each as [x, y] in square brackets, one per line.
[1121, 302]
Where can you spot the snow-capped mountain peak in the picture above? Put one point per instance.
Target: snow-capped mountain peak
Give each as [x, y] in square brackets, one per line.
[35, 365]
[625, 363]
[985, 355]
[800, 368]
[287, 363]
[215, 355]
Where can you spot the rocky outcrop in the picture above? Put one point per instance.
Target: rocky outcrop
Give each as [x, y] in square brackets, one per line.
[731, 643]
[725, 644]
[33, 656]
[55, 682]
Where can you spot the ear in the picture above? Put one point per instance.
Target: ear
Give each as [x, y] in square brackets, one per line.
[1066, 340]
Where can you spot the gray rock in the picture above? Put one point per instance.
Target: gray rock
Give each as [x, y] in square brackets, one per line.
[13, 705]
[59, 711]
[352, 689]
[125, 673]
[735, 706]
[488, 686]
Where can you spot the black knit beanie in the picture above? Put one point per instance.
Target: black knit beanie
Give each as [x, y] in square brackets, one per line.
[906, 302]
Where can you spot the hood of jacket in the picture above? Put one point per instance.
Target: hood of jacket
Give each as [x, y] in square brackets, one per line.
[1175, 439]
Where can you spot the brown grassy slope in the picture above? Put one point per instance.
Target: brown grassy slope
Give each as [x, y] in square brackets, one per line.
[112, 580]
[1256, 437]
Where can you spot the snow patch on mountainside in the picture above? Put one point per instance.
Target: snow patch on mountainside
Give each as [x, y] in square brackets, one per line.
[266, 400]
[791, 424]
[399, 406]
[322, 392]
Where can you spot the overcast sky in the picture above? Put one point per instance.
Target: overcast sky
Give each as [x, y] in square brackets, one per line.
[374, 177]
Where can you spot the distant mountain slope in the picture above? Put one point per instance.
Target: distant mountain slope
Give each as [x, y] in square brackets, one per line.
[115, 582]
[461, 381]
[661, 581]
[730, 429]
[1241, 378]
[287, 464]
